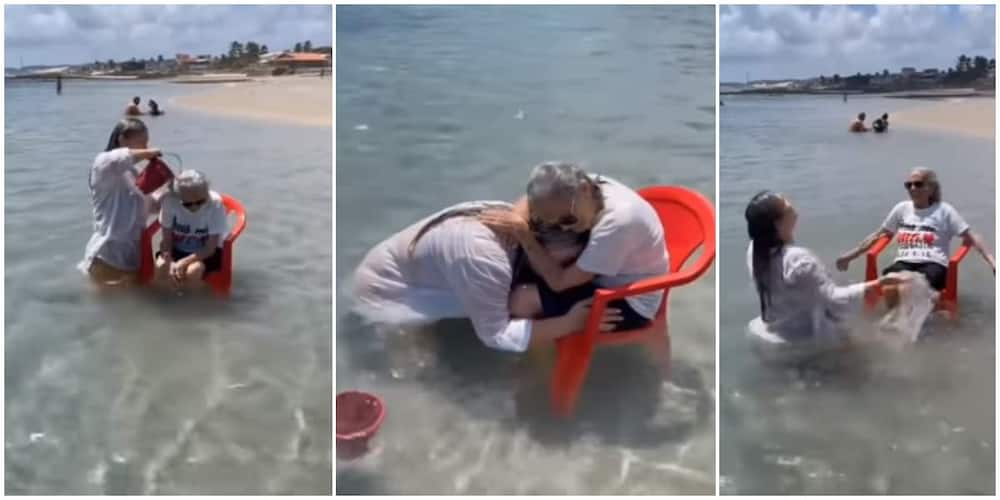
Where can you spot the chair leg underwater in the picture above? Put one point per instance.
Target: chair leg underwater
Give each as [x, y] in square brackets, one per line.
[572, 362]
[659, 346]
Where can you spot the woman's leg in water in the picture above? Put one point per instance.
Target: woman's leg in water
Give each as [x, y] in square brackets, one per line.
[105, 275]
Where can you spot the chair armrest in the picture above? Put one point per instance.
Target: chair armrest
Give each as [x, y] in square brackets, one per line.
[663, 282]
[602, 296]
[880, 244]
[241, 224]
[152, 228]
[960, 253]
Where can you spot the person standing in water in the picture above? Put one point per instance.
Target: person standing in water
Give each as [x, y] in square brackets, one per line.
[112, 254]
[58, 84]
[859, 124]
[132, 109]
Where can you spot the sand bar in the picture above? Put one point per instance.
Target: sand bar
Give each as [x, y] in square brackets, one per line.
[974, 117]
[297, 100]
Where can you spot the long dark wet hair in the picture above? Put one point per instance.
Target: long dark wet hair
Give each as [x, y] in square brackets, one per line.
[762, 214]
[126, 127]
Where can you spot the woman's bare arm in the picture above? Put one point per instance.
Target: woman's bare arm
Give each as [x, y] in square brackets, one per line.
[971, 238]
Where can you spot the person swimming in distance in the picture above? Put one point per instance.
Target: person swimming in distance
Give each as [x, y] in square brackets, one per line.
[859, 124]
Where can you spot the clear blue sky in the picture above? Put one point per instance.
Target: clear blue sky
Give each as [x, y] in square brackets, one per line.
[786, 41]
[75, 34]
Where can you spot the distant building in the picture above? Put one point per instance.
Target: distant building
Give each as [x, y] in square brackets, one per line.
[197, 63]
[908, 71]
[300, 61]
[304, 60]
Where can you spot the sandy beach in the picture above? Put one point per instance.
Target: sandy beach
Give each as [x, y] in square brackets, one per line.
[967, 116]
[305, 100]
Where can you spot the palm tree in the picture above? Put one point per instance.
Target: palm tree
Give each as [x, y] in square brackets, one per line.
[159, 58]
[885, 73]
[252, 50]
[981, 65]
[263, 49]
[235, 50]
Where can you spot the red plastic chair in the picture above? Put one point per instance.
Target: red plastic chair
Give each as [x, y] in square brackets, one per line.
[220, 281]
[948, 301]
[689, 223]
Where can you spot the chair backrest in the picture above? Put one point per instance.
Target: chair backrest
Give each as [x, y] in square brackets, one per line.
[233, 206]
[688, 221]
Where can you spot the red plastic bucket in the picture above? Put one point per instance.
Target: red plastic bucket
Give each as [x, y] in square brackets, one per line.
[359, 416]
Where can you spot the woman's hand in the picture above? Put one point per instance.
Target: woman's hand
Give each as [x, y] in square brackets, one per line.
[506, 223]
[843, 261]
[178, 271]
[581, 311]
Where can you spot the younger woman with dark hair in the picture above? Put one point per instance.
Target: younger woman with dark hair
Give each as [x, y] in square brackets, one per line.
[799, 301]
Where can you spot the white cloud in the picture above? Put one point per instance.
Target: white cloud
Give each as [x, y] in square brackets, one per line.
[796, 41]
[79, 33]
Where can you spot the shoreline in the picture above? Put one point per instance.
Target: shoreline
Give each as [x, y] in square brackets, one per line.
[295, 100]
[970, 117]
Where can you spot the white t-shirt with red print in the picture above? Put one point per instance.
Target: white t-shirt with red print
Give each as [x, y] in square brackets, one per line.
[924, 234]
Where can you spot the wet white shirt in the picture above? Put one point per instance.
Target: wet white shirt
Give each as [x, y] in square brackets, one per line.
[805, 301]
[119, 211]
[924, 234]
[626, 245]
[459, 269]
[191, 230]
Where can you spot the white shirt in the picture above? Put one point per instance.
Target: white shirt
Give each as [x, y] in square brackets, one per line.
[924, 235]
[458, 269]
[805, 301]
[119, 211]
[192, 229]
[626, 245]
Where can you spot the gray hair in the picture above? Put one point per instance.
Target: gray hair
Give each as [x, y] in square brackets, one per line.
[930, 177]
[190, 180]
[555, 179]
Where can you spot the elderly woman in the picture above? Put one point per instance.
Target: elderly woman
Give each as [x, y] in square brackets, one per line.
[626, 242]
[194, 228]
[112, 254]
[926, 226]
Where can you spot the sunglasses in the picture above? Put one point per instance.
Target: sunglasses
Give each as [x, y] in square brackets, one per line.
[192, 204]
[913, 184]
[568, 220]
